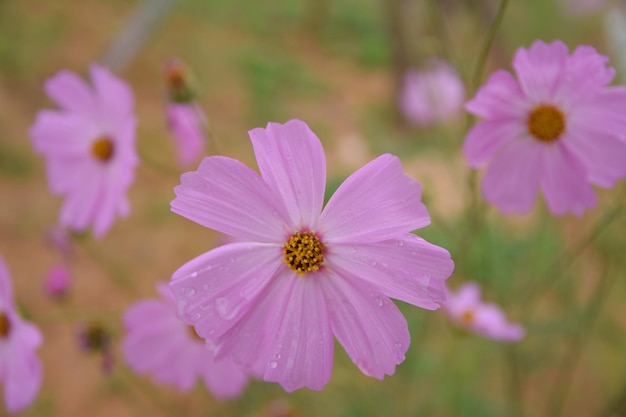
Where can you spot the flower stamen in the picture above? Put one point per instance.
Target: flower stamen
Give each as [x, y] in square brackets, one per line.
[304, 252]
[5, 326]
[194, 334]
[103, 148]
[546, 123]
[467, 318]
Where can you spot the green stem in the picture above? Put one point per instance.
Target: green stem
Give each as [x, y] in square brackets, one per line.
[158, 166]
[564, 377]
[486, 47]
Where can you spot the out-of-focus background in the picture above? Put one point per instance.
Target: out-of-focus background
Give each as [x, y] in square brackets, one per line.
[336, 65]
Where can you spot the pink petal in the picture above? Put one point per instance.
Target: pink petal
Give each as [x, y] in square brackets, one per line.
[6, 287]
[367, 324]
[217, 289]
[604, 112]
[302, 352]
[487, 137]
[225, 195]
[81, 204]
[512, 178]
[252, 341]
[114, 97]
[72, 93]
[376, 202]
[564, 182]
[500, 97]
[540, 68]
[56, 134]
[23, 373]
[185, 123]
[467, 297]
[584, 73]
[603, 156]
[407, 268]
[292, 162]
[224, 378]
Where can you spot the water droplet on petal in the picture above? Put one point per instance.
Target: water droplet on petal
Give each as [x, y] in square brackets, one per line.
[221, 306]
[273, 364]
[205, 287]
[190, 291]
[374, 263]
[398, 345]
[379, 302]
[278, 356]
[194, 274]
[400, 242]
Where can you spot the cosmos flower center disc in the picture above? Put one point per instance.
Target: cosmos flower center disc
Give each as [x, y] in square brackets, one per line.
[467, 317]
[304, 252]
[5, 326]
[103, 149]
[546, 123]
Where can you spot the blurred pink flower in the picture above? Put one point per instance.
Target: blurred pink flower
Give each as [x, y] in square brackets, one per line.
[57, 281]
[158, 343]
[432, 95]
[89, 146]
[186, 123]
[558, 128]
[467, 310]
[582, 6]
[274, 300]
[20, 369]
[59, 238]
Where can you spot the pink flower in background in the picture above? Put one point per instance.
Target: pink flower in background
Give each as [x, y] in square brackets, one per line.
[187, 123]
[20, 369]
[558, 127]
[467, 310]
[89, 146]
[432, 95]
[159, 344]
[57, 281]
[582, 6]
[301, 275]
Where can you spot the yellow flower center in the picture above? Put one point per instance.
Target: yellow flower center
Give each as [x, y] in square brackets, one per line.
[194, 334]
[467, 318]
[304, 252]
[5, 326]
[103, 149]
[546, 123]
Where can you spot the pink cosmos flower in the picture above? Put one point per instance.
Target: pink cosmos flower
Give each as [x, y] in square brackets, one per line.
[301, 275]
[467, 310]
[158, 343]
[20, 369]
[57, 281]
[435, 94]
[186, 123]
[89, 146]
[558, 127]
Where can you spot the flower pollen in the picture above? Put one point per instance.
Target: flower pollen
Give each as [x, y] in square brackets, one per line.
[304, 252]
[467, 318]
[194, 335]
[5, 326]
[103, 149]
[546, 123]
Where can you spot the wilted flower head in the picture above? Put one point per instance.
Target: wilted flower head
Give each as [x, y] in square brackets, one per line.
[20, 369]
[558, 127]
[57, 281]
[467, 310]
[159, 344]
[89, 146]
[300, 275]
[432, 95]
[95, 337]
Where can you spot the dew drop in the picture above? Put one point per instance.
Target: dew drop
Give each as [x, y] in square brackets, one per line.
[279, 356]
[190, 291]
[374, 263]
[221, 306]
[205, 287]
[194, 274]
[273, 364]
[400, 242]
[398, 345]
[379, 302]
[352, 249]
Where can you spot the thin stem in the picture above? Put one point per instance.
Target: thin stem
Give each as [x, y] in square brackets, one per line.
[486, 47]
[157, 165]
[564, 377]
